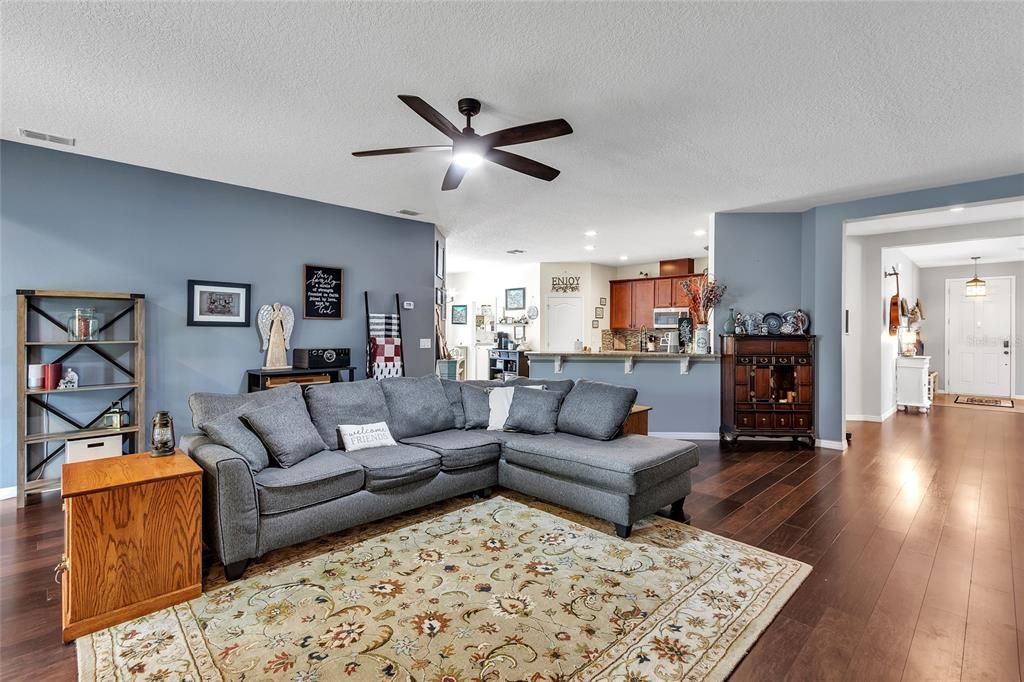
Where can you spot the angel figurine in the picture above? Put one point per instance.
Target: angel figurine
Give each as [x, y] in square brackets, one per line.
[276, 323]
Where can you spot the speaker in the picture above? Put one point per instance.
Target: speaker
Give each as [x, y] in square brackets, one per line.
[321, 358]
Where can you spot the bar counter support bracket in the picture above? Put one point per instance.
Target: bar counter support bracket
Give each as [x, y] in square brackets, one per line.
[628, 368]
[684, 365]
[558, 363]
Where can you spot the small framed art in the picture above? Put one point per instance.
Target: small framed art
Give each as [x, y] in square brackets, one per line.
[460, 314]
[218, 304]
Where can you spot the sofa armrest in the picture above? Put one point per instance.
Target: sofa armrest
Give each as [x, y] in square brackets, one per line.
[230, 507]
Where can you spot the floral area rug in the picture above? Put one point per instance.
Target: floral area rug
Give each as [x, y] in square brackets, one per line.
[499, 590]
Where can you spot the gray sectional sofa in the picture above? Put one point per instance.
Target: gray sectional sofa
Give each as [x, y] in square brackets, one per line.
[565, 448]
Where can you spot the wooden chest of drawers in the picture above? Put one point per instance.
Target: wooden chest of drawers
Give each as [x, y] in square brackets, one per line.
[767, 387]
[132, 539]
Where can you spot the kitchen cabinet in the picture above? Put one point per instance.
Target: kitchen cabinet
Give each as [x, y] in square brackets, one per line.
[643, 303]
[663, 294]
[680, 299]
[621, 299]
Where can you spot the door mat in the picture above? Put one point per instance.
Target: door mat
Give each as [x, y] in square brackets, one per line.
[987, 402]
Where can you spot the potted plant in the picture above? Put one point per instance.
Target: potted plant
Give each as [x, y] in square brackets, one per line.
[705, 293]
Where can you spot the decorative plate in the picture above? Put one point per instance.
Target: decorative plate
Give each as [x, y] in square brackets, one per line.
[532, 312]
[774, 322]
[788, 328]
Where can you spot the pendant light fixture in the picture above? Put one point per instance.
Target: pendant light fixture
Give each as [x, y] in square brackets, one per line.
[975, 287]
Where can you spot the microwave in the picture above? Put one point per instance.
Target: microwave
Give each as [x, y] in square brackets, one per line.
[668, 318]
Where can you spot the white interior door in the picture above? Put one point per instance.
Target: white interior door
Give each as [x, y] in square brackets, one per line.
[564, 322]
[979, 338]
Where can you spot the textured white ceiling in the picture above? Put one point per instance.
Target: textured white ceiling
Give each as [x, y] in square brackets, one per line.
[999, 250]
[680, 109]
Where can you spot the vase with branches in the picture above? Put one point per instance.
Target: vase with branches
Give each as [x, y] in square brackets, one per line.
[705, 293]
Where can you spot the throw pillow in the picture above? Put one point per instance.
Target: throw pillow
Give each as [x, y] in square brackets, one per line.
[595, 410]
[230, 431]
[363, 436]
[417, 405]
[345, 402]
[454, 392]
[563, 385]
[476, 405]
[533, 411]
[286, 431]
[499, 400]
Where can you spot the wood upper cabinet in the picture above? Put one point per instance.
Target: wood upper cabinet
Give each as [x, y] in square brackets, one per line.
[643, 303]
[663, 293]
[621, 296]
[679, 296]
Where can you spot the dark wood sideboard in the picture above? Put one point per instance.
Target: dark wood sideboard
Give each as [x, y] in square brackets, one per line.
[767, 387]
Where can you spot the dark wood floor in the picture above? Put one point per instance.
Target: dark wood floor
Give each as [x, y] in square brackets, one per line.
[916, 535]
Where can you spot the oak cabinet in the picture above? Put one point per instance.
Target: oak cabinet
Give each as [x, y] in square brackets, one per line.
[643, 303]
[767, 387]
[632, 301]
[680, 299]
[132, 539]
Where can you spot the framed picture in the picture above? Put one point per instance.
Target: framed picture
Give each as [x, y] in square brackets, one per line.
[438, 259]
[604, 301]
[438, 296]
[515, 299]
[460, 314]
[218, 304]
[322, 292]
[595, 324]
[519, 332]
[599, 313]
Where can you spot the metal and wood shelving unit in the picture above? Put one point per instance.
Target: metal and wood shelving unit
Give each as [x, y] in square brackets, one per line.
[42, 338]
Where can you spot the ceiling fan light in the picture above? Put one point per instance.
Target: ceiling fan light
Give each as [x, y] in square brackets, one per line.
[466, 159]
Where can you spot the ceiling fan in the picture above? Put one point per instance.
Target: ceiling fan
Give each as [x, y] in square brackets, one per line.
[469, 150]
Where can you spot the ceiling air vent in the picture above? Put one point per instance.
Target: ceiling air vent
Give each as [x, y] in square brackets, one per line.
[515, 252]
[46, 137]
[409, 211]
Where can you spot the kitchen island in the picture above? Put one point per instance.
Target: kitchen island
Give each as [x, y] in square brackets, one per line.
[682, 388]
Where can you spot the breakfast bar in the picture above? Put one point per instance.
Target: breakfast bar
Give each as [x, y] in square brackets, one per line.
[682, 388]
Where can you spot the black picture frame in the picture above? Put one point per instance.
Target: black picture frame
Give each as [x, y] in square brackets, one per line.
[599, 313]
[323, 292]
[438, 296]
[460, 312]
[515, 298]
[604, 301]
[594, 324]
[195, 319]
[439, 264]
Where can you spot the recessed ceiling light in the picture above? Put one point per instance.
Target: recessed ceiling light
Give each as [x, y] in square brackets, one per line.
[700, 233]
[590, 233]
[623, 257]
[588, 247]
[956, 209]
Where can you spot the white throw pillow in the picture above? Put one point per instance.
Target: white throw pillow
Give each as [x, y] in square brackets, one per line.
[499, 400]
[363, 436]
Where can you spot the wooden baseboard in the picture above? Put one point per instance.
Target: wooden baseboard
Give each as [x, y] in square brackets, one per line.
[75, 630]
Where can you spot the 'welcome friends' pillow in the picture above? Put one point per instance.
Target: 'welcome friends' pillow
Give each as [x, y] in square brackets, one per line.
[363, 436]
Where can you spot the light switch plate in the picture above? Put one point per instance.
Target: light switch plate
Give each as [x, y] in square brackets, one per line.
[408, 305]
[424, 343]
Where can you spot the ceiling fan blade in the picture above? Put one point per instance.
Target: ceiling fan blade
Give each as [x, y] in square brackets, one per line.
[522, 164]
[531, 132]
[453, 177]
[431, 116]
[405, 150]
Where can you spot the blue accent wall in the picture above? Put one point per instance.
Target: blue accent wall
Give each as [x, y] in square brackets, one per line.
[73, 222]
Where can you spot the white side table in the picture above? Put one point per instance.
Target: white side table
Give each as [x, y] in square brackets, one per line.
[912, 382]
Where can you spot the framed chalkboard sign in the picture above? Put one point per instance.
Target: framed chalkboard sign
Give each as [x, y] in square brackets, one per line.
[322, 293]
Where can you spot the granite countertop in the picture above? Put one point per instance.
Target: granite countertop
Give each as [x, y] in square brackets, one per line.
[620, 354]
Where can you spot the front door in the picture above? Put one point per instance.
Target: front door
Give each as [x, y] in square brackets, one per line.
[979, 338]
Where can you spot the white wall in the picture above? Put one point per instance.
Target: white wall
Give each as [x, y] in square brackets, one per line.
[487, 287]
